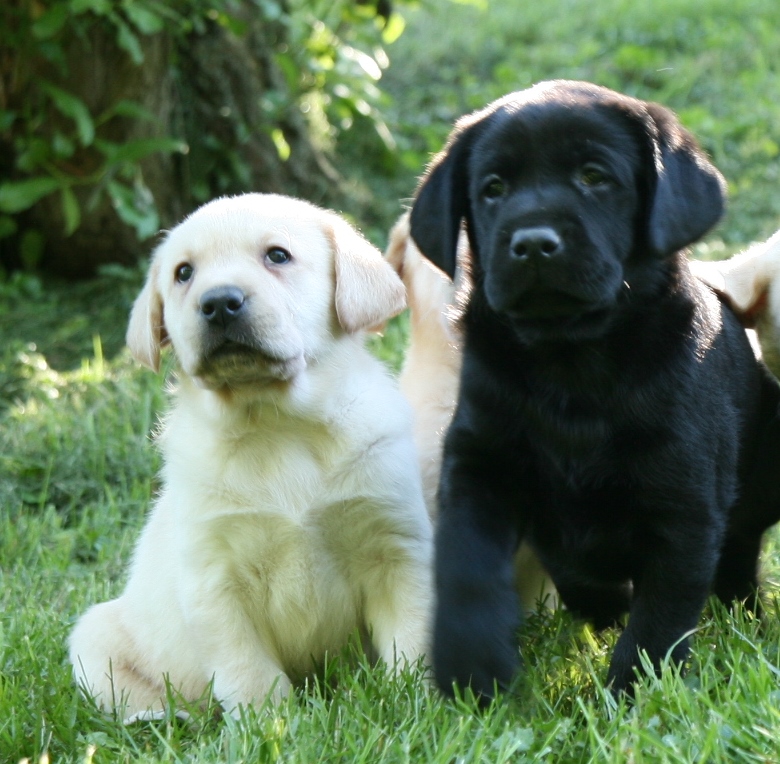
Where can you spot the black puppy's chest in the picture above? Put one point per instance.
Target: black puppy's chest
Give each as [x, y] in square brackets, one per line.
[567, 432]
[587, 443]
[583, 418]
[590, 523]
[586, 446]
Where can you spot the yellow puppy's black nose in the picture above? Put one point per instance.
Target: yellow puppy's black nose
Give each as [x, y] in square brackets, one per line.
[221, 305]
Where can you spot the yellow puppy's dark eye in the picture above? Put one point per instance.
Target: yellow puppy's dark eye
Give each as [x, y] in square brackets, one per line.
[593, 176]
[493, 188]
[184, 273]
[278, 256]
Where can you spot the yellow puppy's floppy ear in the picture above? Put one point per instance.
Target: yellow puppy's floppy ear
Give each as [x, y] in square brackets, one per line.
[368, 290]
[146, 332]
[397, 242]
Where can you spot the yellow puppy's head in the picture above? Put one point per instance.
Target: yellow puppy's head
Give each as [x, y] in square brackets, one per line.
[251, 289]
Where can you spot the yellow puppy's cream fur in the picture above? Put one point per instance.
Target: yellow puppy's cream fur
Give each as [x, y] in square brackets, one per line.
[291, 511]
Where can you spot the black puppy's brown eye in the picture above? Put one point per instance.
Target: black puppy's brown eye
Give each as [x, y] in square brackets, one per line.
[184, 273]
[493, 188]
[593, 176]
[278, 256]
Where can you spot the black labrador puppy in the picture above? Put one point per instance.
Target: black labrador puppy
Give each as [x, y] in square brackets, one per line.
[611, 411]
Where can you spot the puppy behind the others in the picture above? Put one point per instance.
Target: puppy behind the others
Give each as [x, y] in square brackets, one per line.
[291, 513]
[429, 380]
[429, 377]
[750, 281]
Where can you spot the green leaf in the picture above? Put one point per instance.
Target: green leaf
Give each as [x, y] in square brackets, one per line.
[19, 195]
[142, 17]
[7, 226]
[134, 209]
[7, 119]
[62, 146]
[393, 29]
[31, 248]
[282, 147]
[50, 22]
[127, 108]
[72, 107]
[129, 42]
[32, 155]
[273, 10]
[70, 210]
[143, 147]
[98, 7]
[290, 69]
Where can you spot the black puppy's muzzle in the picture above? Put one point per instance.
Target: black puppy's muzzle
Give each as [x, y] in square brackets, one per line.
[534, 244]
[547, 279]
[529, 274]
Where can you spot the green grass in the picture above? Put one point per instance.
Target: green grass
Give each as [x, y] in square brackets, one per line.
[715, 62]
[77, 472]
[77, 468]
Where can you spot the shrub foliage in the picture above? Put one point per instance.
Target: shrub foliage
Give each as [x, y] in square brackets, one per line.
[118, 116]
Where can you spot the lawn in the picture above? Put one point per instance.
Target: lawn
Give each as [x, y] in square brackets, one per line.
[77, 466]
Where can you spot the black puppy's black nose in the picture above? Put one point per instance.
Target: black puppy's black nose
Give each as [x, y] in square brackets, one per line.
[221, 305]
[534, 243]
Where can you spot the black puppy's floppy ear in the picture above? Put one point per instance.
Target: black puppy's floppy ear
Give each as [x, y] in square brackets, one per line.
[690, 193]
[442, 201]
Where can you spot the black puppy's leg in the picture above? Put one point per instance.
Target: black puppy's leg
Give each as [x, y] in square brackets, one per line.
[669, 596]
[477, 610]
[736, 578]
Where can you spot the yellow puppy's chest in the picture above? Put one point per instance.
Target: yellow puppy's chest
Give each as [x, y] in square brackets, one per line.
[277, 534]
[289, 582]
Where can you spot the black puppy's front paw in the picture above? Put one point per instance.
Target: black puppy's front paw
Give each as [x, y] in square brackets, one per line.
[482, 668]
[475, 647]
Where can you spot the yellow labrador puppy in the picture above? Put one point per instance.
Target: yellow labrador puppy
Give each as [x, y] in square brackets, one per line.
[429, 380]
[291, 511]
[751, 282]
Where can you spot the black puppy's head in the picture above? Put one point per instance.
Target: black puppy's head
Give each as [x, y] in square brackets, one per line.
[572, 195]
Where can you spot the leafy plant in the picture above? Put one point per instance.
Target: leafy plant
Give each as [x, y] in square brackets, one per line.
[55, 142]
[52, 142]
